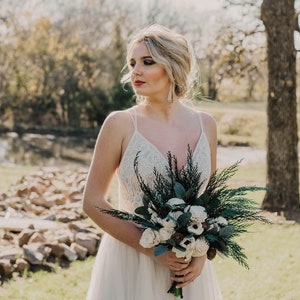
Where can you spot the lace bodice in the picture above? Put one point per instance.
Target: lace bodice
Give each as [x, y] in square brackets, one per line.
[130, 194]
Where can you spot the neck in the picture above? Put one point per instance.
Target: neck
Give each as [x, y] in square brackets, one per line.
[162, 109]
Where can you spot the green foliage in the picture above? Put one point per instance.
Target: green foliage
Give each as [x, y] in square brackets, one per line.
[52, 74]
[229, 212]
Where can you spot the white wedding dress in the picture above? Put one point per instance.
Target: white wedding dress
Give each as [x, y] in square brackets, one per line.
[122, 273]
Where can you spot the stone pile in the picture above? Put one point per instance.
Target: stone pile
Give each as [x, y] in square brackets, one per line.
[41, 222]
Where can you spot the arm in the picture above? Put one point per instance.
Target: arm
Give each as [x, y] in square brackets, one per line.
[211, 132]
[105, 161]
[107, 155]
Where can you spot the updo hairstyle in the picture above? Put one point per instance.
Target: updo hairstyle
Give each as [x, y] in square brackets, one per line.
[170, 50]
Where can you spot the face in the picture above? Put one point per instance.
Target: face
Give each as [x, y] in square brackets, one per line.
[147, 77]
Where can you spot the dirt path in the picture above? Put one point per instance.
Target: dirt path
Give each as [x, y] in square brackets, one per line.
[230, 155]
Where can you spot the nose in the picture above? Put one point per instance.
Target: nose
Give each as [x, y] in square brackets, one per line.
[136, 70]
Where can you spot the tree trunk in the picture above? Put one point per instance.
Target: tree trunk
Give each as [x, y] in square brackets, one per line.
[282, 150]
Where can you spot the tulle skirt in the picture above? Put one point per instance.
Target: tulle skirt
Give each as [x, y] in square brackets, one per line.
[122, 273]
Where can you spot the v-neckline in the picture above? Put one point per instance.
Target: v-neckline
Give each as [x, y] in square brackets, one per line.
[163, 155]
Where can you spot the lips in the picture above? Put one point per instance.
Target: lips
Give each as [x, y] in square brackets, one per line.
[138, 82]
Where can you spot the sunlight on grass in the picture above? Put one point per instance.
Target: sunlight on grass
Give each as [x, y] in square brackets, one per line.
[273, 257]
[9, 175]
[66, 284]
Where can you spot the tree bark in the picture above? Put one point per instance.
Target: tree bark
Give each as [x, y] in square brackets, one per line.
[282, 141]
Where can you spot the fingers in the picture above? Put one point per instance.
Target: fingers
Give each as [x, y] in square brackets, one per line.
[184, 280]
[178, 264]
[175, 266]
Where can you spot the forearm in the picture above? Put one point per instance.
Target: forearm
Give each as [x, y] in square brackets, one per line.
[124, 231]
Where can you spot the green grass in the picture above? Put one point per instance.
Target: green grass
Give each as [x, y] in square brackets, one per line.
[238, 123]
[63, 284]
[9, 175]
[273, 256]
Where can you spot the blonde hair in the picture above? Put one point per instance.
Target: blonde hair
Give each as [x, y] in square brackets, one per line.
[172, 51]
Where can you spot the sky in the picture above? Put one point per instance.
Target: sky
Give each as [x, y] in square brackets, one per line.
[203, 5]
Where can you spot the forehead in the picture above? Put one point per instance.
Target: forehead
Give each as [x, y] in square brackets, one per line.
[139, 50]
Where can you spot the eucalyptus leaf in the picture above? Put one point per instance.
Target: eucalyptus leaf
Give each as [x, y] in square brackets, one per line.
[227, 231]
[211, 238]
[184, 219]
[188, 194]
[204, 198]
[142, 210]
[164, 211]
[146, 200]
[179, 190]
[180, 248]
[160, 249]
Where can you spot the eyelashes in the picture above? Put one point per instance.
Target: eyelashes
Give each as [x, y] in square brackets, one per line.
[146, 62]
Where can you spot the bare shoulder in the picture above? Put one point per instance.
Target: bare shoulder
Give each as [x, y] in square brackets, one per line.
[208, 121]
[118, 121]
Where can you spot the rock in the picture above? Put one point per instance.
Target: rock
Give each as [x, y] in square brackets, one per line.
[17, 225]
[6, 268]
[87, 240]
[10, 253]
[32, 254]
[25, 235]
[37, 237]
[56, 250]
[21, 265]
[41, 219]
[70, 254]
[80, 250]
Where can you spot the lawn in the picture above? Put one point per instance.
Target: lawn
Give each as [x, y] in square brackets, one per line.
[272, 249]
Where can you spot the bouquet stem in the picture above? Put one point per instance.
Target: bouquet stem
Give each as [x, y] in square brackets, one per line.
[177, 292]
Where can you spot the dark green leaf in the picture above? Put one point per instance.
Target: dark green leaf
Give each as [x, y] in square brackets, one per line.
[227, 231]
[179, 190]
[146, 200]
[142, 210]
[184, 219]
[160, 249]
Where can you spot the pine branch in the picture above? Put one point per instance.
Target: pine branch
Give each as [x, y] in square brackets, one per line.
[123, 215]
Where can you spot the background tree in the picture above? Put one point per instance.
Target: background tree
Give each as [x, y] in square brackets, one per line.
[235, 54]
[282, 155]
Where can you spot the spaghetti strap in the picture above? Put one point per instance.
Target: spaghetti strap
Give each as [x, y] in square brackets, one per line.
[133, 118]
[201, 123]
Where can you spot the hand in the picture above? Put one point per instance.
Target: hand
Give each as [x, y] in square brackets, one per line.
[170, 261]
[190, 273]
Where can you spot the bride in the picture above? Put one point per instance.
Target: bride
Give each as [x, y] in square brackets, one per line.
[161, 65]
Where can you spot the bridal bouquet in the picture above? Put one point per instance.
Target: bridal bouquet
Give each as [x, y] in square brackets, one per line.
[176, 216]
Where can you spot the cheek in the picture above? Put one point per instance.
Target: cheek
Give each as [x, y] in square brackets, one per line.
[158, 75]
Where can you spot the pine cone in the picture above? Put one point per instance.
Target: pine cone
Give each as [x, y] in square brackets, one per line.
[211, 253]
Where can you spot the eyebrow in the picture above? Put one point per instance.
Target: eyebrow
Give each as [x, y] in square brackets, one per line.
[144, 57]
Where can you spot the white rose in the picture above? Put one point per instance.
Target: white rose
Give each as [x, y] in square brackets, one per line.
[175, 214]
[149, 238]
[222, 221]
[195, 228]
[188, 244]
[164, 234]
[200, 247]
[175, 201]
[198, 213]
[168, 222]
[179, 253]
[154, 215]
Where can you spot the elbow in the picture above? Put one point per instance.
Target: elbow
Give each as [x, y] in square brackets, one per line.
[86, 206]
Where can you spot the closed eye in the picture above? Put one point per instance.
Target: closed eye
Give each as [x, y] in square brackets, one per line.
[149, 62]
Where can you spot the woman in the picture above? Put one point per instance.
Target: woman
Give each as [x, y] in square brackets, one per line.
[160, 65]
